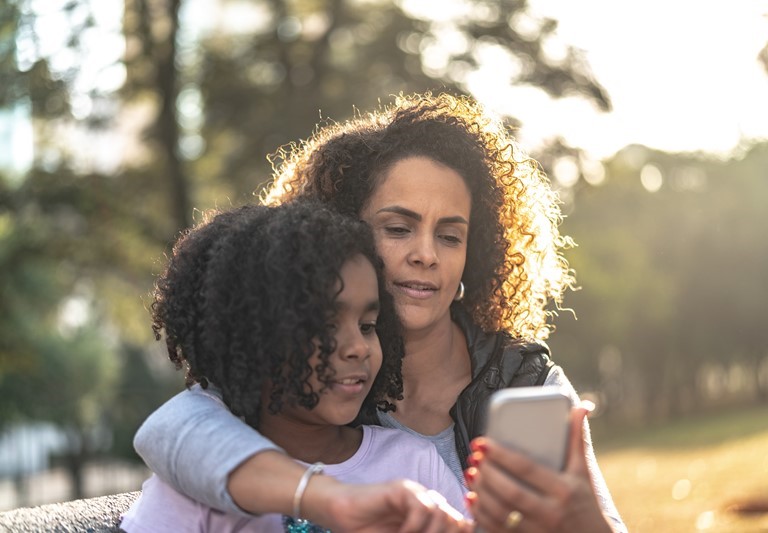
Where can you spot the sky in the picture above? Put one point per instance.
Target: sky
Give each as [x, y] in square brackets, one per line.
[683, 76]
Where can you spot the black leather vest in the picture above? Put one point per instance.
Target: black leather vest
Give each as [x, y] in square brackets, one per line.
[498, 361]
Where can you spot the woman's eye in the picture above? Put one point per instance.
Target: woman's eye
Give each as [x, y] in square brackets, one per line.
[396, 230]
[451, 239]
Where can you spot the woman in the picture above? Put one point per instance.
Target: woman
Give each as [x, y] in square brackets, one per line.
[467, 228]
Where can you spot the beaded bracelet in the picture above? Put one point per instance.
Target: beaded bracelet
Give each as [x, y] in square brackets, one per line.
[316, 468]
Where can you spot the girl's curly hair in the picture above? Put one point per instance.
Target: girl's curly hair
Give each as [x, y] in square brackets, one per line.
[247, 296]
[514, 261]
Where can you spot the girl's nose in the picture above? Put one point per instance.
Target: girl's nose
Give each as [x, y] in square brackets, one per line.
[353, 345]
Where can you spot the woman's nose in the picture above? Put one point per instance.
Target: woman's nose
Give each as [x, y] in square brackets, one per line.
[423, 252]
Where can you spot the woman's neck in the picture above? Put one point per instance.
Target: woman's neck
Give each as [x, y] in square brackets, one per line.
[443, 346]
[436, 368]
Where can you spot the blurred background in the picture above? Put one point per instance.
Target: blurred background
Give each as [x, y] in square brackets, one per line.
[121, 120]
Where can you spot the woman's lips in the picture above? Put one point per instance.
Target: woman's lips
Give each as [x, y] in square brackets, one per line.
[418, 290]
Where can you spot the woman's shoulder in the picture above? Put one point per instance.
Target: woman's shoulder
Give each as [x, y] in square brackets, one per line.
[521, 362]
[557, 378]
[486, 344]
[535, 363]
[532, 348]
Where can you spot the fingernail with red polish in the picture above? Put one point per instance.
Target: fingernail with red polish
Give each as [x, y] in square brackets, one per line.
[478, 445]
[470, 498]
[470, 474]
[475, 458]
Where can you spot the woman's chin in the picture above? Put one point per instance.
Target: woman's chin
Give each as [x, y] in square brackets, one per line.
[416, 318]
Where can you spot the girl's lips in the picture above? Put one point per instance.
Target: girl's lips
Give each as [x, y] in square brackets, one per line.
[351, 386]
[416, 290]
[353, 390]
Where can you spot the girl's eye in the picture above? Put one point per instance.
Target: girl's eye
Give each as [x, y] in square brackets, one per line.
[368, 328]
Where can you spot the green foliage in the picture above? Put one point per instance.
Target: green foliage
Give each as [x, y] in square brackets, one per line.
[670, 279]
[65, 379]
[139, 391]
[46, 372]
[259, 90]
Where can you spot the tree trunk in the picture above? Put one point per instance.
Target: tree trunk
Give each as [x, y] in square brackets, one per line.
[22, 489]
[74, 464]
[74, 460]
[166, 76]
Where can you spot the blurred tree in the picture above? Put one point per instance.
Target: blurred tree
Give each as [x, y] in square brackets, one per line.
[55, 363]
[74, 266]
[141, 388]
[224, 89]
[670, 260]
[139, 114]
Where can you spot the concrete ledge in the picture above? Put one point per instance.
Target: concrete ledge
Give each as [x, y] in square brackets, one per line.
[90, 515]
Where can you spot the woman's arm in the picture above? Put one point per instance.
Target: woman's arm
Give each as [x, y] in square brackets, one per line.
[194, 444]
[603, 494]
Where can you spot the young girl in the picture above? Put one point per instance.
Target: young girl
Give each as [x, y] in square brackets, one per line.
[277, 312]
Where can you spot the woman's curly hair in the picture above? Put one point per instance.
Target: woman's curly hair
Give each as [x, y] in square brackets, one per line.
[514, 261]
[248, 295]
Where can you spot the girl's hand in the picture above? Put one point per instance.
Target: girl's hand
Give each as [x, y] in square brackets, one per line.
[398, 507]
[511, 492]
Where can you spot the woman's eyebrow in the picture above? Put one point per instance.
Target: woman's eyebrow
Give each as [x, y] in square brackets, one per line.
[458, 219]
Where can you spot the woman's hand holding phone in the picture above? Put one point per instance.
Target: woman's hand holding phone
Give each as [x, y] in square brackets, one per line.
[513, 492]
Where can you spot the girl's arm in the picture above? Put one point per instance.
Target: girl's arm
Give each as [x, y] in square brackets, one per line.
[394, 506]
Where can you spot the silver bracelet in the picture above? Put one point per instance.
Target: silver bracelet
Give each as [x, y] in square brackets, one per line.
[316, 468]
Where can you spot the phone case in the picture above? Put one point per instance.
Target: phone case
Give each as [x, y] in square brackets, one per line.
[532, 420]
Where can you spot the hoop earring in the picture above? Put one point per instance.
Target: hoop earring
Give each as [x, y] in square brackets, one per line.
[459, 293]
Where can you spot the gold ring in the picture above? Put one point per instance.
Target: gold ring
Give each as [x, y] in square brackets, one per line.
[513, 520]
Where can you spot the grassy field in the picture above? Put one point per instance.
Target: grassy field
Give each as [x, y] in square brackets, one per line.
[687, 476]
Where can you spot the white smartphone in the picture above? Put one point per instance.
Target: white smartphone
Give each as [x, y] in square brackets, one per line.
[532, 420]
